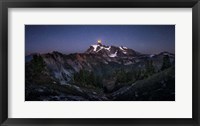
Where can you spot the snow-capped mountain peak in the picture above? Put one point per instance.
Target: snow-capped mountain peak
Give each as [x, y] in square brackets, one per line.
[95, 47]
[111, 51]
[99, 46]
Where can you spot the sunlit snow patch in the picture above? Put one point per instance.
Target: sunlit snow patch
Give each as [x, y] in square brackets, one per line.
[113, 55]
[95, 47]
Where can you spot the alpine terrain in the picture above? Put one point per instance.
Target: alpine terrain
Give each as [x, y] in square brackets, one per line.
[101, 73]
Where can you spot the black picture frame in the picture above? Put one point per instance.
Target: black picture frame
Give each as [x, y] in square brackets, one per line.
[5, 4]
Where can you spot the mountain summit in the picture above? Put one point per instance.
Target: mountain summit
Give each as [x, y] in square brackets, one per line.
[111, 51]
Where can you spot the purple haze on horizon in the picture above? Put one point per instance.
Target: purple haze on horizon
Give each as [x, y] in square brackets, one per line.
[149, 39]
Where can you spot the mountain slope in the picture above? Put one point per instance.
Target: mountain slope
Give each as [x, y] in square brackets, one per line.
[102, 70]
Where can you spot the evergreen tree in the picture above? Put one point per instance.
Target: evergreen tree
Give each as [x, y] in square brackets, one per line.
[38, 64]
[166, 62]
[138, 74]
[149, 68]
[87, 78]
[121, 76]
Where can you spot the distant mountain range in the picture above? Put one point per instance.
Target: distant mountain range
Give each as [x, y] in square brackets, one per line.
[100, 73]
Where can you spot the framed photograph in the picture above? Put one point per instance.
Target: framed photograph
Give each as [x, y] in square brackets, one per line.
[99, 62]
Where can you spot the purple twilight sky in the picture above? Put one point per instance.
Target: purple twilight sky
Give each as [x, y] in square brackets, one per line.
[66, 39]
